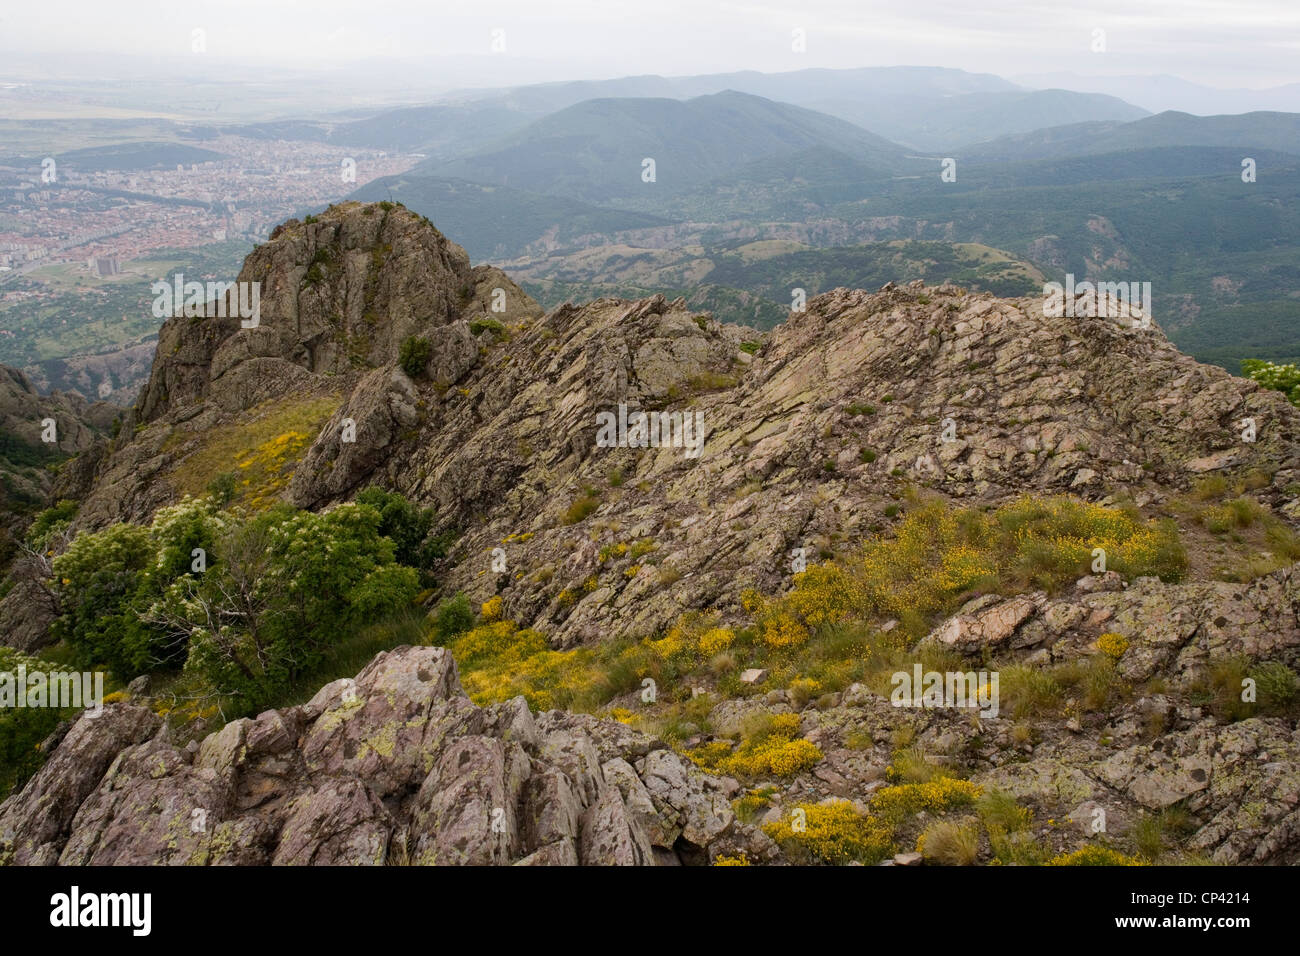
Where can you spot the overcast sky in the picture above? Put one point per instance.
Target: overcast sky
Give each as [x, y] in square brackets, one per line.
[1249, 43]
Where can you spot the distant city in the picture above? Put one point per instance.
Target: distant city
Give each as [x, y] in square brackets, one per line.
[102, 218]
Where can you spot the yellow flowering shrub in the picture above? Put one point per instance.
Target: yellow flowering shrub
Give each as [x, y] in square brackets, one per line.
[1093, 855]
[804, 689]
[710, 755]
[739, 859]
[1112, 645]
[546, 680]
[938, 554]
[678, 645]
[775, 750]
[934, 796]
[491, 608]
[783, 725]
[752, 803]
[824, 594]
[834, 833]
[643, 547]
[783, 629]
[497, 643]
[693, 639]
[716, 640]
[612, 551]
[782, 758]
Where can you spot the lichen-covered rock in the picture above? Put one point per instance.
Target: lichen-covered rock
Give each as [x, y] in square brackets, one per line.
[35, 822]
[986, 624]
[396, 765]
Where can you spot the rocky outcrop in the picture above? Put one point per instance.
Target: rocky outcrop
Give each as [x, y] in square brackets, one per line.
[396, 766]
[37, 822]
[338, 296]
[337, 291]
[27, 419]
[850, 403]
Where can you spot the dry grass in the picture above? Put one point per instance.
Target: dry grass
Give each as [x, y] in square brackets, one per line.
[260, 449]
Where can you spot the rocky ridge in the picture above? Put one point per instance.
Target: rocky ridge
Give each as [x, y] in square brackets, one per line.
[814, 432]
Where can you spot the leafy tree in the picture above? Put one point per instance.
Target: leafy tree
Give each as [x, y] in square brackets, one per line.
[105, 580]
[404, 522]
[51, 520]
[96, 580]
[286, 586]
[1283, 378]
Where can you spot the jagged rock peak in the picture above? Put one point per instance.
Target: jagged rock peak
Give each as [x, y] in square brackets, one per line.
[335, 292]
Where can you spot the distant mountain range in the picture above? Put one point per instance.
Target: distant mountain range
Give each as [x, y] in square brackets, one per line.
[1253, 131]
[596, 150]
[926, 108]
[1163, 92]
[1155, 198]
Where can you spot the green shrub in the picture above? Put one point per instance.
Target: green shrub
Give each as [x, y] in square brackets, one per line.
[50, 521]
[22, 729]
[405, 523]
[1283, 378]
[223, 488]
[452, 616]
[414, 355]
[98, 580]
[247, 604]
[1276, 687]
[581, 508]
[286, 587]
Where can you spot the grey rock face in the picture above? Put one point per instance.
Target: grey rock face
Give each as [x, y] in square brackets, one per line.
[338, 297]
[394, 766]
